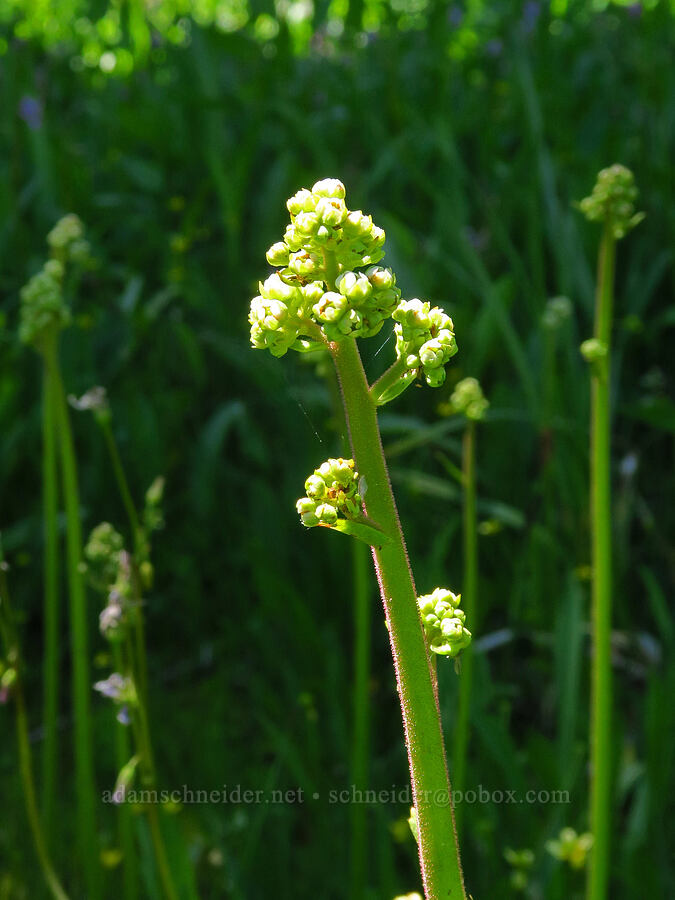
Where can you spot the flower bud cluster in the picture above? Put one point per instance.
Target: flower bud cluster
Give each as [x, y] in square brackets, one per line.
[102, 553]
[66, 240]
[43, 309]
[332, 493]
[109, 570]
[571, 847]
[444, 622]
[613, 200]
[316, 295]
[360, 305]
[320, 220]
[468, 399]
[425, 340]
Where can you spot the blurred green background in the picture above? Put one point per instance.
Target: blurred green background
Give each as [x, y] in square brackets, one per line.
[176, 130]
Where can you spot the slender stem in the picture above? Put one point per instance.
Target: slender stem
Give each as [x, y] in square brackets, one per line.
[601, 524]
[439, 852]
[140, 550]
[388, 378]
[361, 720]
[84, 765]
[469, 592]
[51, 680]
[144, 748]
[123, 752]
[122, 484]
[23, 744]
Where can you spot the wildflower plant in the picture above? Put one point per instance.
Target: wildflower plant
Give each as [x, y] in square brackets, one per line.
[44, 313]
[327, 291]
[611, 204]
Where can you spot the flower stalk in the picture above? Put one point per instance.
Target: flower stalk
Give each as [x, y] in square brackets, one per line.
[610, 203]
[318, 299]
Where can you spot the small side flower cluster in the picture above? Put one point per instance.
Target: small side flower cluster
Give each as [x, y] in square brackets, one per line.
[425, 340]
[444, 622]
[43, 309]
[468, 399]
[332, 493]
[571, 847]
[613, 201]
[109, 571]
[521, 862]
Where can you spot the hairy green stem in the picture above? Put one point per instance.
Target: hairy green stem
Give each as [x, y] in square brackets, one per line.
[601, 525]
[51, 680]
[439, 852]
[388, 379]
[23, 745]
[469, 591]
[360, 763]
[84, 765]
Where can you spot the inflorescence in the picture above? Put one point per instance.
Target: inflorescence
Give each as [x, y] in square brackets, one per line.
[613, 201]
[44, 311]
[332, 493]
[468, 399]
[317, 296]
[443, 622]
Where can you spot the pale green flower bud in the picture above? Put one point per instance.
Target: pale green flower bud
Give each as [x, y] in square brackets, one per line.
[413, 315]
[431, 353]
[356, 224]
[326, 514]
[307, 223]
[277, 255]
[331, 212]
[312, 292]
[303, 201]
[292, 238]
[305, 264]
[274, 288]
[355, 286]
[380, 278]
[315, 487]
[329, 187]
[593, 350]
[331, 307]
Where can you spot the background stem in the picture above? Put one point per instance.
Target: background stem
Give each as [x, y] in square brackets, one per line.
[123, 753]
[439, 852]
[84, 766]
[601, 526]
[10, 640]
[469, 591]
[51, 679]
